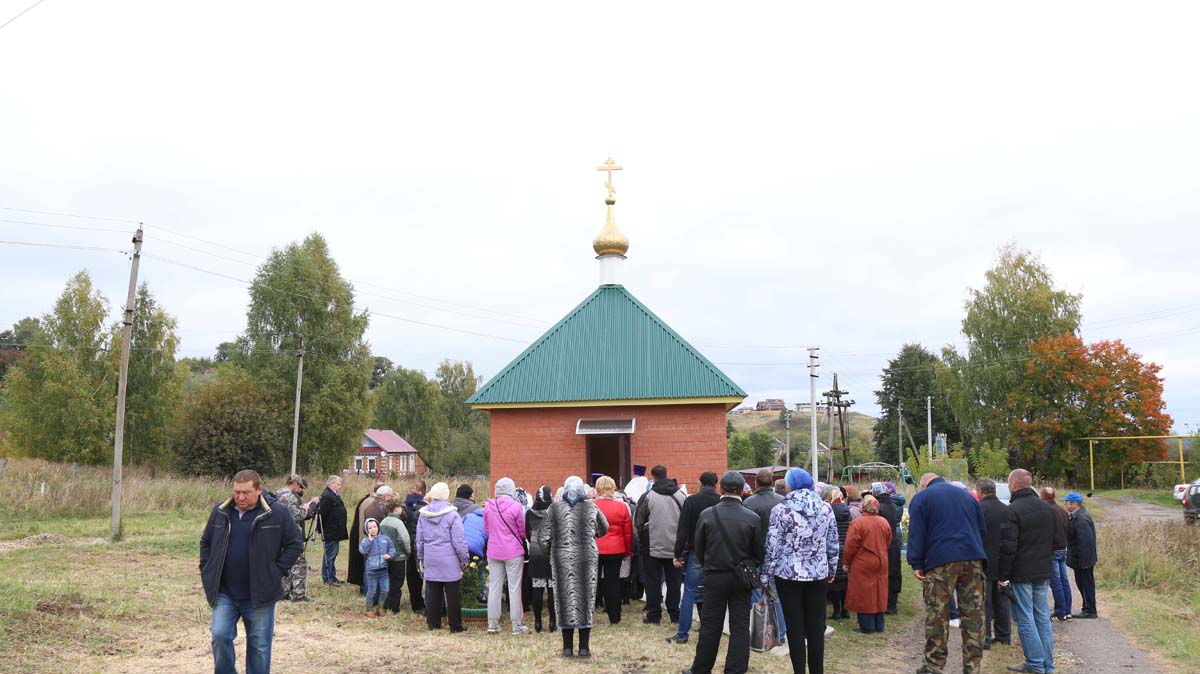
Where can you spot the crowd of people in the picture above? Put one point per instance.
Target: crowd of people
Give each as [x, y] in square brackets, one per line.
[817, 552]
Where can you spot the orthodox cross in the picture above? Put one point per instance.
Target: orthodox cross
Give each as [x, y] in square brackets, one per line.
[610, 167]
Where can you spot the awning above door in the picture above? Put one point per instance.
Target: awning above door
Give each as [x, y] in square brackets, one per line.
[605, 426]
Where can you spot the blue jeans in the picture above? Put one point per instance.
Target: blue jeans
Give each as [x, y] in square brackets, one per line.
[1059, 585]
[260, 627]
[328, 571]
[1033, 625]
[870, 622]
[693, 578]
[756, 596]
[375, 586]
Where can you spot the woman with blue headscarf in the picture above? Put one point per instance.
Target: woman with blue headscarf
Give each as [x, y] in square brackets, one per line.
[572, 526]
[802, 556]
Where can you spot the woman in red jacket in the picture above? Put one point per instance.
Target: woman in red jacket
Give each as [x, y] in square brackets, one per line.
[866, 560]
[614, 546]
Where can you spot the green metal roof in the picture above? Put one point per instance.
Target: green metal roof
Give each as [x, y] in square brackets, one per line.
[610, 347]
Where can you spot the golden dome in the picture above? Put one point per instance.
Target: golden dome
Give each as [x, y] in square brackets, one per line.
[610, 240]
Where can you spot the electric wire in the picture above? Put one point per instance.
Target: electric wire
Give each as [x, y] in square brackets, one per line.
[21, 13]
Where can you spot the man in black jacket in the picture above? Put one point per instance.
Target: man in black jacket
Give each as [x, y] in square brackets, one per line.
[685, 534]
[1000, 542]
[413, 502]
[331, 524]
[248, 546]
[1081, 552]
[726, 534]
[1030, 574]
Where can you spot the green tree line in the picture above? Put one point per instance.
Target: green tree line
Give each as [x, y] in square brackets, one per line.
[214, 416]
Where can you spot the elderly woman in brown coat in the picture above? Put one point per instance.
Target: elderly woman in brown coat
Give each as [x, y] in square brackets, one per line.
[866, 560]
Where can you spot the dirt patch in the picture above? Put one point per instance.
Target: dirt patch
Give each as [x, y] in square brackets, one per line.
[71, 605]
[34, 541]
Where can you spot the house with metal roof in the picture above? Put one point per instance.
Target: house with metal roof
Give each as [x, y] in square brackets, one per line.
[384, 453]
[608, 387]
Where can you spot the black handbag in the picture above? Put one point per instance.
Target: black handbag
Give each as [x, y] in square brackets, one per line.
[745, 570]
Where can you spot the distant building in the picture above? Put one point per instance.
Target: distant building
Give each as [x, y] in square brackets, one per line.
[384, 453]
[770, 405]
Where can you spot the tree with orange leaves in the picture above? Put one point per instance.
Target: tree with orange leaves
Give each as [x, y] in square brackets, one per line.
[1073, 390]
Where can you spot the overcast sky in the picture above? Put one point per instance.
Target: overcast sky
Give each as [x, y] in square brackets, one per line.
[833, 174]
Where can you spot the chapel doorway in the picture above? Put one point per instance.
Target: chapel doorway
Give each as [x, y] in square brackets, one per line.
[608, 454]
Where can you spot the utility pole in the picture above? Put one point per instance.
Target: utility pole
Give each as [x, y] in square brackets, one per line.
[929, 425]
[900, 433]
[787, 434]
[296, 420]
[812, 381]
[123, 384]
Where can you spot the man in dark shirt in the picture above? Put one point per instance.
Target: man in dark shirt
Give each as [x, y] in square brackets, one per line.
[726, 534]
[945, 551]
[1000, 542]
[1030, 575]
[693, 575]
[1082, 552]
[248, 546]
[1060, 586]
[763, 501]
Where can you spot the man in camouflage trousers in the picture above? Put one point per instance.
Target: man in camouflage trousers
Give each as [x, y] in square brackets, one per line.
[945, 550]
[295, 584]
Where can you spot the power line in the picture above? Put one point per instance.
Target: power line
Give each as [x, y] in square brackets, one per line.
[76, 227]
[310, 297]
[64, 245]
[21, 14]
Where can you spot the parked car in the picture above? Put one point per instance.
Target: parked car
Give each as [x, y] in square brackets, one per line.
[1181, 489]
[1002, 492]
[1191, 504]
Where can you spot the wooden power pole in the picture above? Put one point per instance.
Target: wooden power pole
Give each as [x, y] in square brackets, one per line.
[123, 383]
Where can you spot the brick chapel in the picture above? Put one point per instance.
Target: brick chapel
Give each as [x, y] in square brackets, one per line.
[608, 387]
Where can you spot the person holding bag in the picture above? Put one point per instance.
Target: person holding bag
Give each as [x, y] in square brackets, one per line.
[801, 556]
[504, 523]
[729, 546]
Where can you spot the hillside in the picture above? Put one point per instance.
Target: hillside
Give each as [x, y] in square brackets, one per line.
[858, 430]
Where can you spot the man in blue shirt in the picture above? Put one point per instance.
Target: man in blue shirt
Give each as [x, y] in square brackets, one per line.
[248, 546]
[945, 550]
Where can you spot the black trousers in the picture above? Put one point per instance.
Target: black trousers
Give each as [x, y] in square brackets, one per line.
[1085, 580]
[610, 586]
[997, 612]
[416, 596]
[655, 570]
[723, 591]
[433, 611]
[395, 586]
[803, 604]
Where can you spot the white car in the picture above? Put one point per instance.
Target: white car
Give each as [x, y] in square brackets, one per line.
[1181, 489]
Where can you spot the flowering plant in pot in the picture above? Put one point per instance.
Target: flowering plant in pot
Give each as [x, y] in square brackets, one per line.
[474, 590]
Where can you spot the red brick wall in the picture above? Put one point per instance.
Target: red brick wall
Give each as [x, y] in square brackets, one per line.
[539, 446]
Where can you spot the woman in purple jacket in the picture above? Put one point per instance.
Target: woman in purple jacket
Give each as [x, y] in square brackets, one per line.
[504, 524]
[441, 557]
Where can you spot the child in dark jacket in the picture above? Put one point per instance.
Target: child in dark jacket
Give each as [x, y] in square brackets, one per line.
[376, 550]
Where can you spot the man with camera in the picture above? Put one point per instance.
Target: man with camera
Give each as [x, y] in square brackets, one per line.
[295, 584]
[729, 547]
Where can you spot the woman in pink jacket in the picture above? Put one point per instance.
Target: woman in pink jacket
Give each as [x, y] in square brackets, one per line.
[504, 523]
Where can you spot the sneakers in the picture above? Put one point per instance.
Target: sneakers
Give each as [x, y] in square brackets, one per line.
[955, 623]
[493, 628]
[676, 639]
[520, 629]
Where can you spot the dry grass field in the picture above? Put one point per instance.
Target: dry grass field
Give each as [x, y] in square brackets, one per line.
[72, 602]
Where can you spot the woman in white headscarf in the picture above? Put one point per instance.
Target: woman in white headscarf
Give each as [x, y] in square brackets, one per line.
[570, 532]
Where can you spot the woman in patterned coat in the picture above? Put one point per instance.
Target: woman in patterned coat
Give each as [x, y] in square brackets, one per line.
[570, 532]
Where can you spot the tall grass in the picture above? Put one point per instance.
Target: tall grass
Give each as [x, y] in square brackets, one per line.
[39, 489]
[1162, 557]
